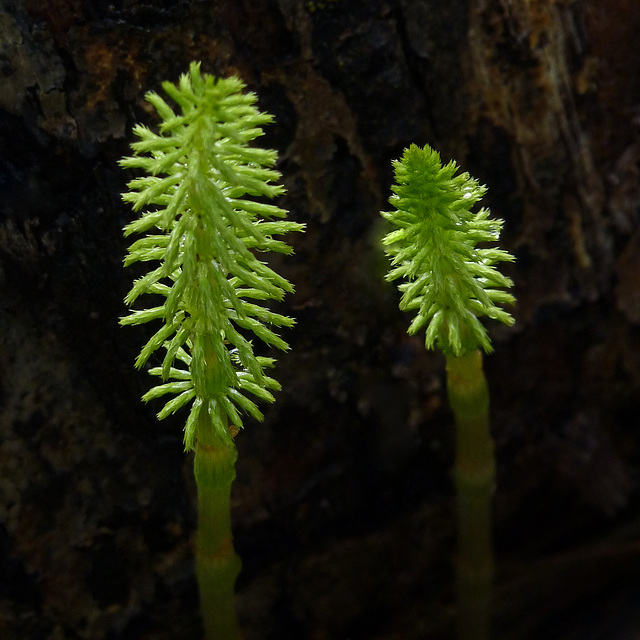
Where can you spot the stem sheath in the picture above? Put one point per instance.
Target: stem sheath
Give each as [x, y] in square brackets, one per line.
[475, 481]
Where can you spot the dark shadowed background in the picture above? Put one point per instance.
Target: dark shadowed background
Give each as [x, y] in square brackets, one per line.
[343, 505]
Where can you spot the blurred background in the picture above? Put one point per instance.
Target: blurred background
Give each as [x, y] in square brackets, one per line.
[343, 504]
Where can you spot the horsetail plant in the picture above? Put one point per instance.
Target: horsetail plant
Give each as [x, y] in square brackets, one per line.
[203, 225]
[450, 283]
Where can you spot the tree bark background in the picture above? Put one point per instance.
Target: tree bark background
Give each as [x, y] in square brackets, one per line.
[343, 503]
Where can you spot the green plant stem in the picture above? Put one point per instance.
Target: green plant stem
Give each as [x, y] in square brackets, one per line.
[217, 564]
[475, 480]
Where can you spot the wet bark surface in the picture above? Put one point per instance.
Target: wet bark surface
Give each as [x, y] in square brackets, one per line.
[343, 504]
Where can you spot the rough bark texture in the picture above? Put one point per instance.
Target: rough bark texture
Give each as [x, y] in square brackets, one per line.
[343, 504]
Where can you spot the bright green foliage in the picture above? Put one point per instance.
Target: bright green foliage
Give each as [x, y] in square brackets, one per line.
[449, 280]
[204, 228]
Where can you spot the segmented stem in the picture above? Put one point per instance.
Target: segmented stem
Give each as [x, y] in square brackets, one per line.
[217, 564]
[475, 482]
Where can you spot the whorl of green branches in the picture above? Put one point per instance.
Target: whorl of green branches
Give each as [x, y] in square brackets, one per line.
[449, 281]
[204, 228]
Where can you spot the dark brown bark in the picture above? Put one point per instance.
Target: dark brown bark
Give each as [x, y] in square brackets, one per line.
[343, 502]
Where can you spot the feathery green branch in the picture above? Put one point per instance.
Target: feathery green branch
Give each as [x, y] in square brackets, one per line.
[205, 231]
[450, 282]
